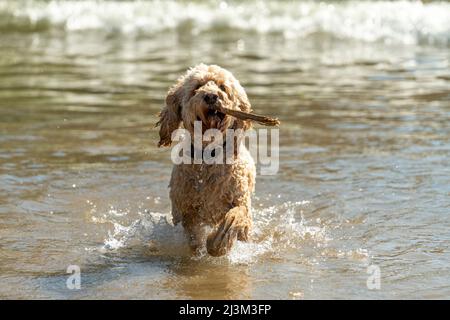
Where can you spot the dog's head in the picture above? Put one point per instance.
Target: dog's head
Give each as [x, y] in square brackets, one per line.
[191, 98]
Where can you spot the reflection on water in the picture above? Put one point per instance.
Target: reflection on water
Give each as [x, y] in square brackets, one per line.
[364, 164]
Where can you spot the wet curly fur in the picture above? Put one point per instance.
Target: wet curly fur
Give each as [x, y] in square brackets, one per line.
[217, 196]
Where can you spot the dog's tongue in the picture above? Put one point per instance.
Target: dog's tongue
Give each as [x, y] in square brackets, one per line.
[213, 122]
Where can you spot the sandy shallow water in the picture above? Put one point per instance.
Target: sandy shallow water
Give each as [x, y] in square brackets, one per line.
[364, 175]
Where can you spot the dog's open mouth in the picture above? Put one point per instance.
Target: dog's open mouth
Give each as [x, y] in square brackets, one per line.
[212, 119]
[214, 114]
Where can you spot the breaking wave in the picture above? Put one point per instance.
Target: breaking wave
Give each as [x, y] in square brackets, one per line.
[405, 22]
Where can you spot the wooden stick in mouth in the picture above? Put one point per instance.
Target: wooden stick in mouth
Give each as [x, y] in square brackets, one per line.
[264, 120]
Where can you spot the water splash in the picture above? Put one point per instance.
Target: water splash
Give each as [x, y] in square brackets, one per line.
[288, 228]
[152, 230]
[276, 229]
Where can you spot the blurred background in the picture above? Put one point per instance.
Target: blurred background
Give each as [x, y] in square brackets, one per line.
[363, 92]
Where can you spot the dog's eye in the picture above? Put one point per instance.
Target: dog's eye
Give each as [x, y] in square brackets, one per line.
[222, 87]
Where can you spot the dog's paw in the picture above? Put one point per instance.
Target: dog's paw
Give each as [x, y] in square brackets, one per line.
[243, 234]
[234, 226]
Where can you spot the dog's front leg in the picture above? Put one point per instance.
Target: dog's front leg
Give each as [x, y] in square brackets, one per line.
[196, 235]
[235, 225]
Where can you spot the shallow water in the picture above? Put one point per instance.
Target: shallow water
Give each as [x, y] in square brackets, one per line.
[364, 175]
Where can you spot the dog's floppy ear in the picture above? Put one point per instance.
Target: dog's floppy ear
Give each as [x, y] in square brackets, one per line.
[170, 116]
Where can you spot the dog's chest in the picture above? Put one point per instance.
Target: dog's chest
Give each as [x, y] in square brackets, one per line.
[208, 192]
[204, 185]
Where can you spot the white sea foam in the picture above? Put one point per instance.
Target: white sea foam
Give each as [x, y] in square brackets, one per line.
[407, 22]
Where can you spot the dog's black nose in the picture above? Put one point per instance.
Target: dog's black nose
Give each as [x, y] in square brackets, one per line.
[210, 98]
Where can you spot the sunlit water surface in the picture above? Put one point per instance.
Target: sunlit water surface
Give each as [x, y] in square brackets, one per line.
[364, 175]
